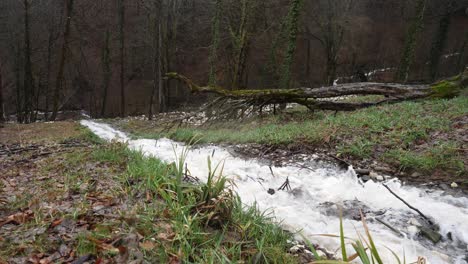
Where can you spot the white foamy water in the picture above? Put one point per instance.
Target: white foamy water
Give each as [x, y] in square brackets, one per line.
[304, 208]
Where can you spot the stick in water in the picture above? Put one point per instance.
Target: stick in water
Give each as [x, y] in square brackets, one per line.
[407, 204]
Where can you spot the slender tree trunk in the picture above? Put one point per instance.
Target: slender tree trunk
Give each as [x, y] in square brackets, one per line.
[106, 72]
[154, 64]
[331, 68]
[307, 69]
[292, 25]
[161, 98]
[59, 80]
[461, 64]
[28, 79]
[19, 97]
[215, 43]
[2, 112]
[411, 41]
[439, 41]
[122, 56]
[49, 66]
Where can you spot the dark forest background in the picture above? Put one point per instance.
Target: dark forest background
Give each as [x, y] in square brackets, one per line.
[108, 57]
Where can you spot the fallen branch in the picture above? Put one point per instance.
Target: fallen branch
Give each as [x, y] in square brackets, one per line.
[407, 204]
[239, 103]
[389, 226]
[285, 186]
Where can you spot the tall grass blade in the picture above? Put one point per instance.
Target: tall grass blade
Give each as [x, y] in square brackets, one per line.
[342, 238]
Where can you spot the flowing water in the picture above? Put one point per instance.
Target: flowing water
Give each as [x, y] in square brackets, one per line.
[311, 206]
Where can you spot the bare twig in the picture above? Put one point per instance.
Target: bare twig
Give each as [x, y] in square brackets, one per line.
[389, 226]
[285, 186]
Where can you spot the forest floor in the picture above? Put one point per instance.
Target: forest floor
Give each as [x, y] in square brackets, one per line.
[423, 142]
[68, 197]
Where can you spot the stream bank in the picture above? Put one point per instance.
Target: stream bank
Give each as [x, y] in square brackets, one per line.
[317, 188]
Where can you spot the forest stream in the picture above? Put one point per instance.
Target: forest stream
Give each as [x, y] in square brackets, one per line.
[317, 190]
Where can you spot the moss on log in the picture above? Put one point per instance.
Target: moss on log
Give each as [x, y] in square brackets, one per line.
[315, 98]
[451, 87]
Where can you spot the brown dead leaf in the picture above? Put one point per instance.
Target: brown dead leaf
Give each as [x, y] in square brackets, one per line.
[102, 246]
[56, 223]
[174, 260]
[147, 245]
[17, 219]
[166, 236]
[149, 197]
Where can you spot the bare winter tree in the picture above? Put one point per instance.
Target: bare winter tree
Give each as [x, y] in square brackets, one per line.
[28, 85]
[411, 39]
[2, 112]
[63, 57]
[106, 71]
[331, 18]
[440, 38]
[121, 16]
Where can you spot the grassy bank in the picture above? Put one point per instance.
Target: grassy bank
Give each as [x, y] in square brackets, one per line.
[84, 199]
[426, 136]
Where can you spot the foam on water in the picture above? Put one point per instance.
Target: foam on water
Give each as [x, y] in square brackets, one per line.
[298, 210]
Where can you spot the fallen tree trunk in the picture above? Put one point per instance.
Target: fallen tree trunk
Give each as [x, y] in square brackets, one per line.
[315, 98]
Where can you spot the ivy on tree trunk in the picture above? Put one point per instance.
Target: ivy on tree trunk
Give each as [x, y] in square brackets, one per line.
[411, 41]
[292, 26]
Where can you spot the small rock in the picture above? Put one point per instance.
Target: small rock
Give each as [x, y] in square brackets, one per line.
[376, 176]
[373, 174]
[449, 236]
[444, 186]
[365, 178]
[362, 172]
[322, 254]
[297, 192]
[271, 191]
[430, 234]
[296, 249]
[383, 169]
[454, 185]
[416, 175]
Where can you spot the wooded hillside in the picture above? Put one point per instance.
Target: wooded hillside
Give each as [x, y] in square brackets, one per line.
[108, 57]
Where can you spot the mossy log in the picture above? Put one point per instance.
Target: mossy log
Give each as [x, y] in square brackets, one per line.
[315, 98]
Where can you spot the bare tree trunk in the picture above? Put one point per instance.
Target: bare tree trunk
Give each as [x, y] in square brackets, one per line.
[411, 41]
[154, 28]
[215, 43]
[58, 84]
[440, 40]
[461, 64]
[19, 97]
[2, 112]
[28, 78]
[161, 98]
[106, 72]
[49, 66]
[122, 55]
